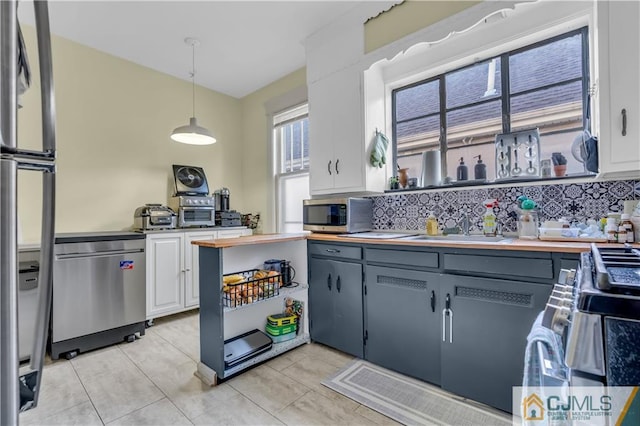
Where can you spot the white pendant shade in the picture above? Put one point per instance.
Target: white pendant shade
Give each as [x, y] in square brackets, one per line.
[193, 134]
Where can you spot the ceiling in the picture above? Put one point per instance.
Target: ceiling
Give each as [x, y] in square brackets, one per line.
[244, 45]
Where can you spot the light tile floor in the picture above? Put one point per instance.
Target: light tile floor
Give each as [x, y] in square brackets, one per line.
[151, 382]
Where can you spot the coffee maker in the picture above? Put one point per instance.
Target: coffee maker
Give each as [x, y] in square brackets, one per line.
[222, 199]
[224, 215]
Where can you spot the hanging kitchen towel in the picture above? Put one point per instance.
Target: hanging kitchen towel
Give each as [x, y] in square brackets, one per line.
[532, 363]
[379, 151]
[590, 144]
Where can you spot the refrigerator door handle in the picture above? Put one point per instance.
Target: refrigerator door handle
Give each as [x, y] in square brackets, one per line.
[46, 76]
[45, 276]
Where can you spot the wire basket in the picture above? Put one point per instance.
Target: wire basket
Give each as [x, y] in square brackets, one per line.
[246, 287]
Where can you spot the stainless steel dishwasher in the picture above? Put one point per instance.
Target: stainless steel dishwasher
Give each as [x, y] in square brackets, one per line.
[99, 291]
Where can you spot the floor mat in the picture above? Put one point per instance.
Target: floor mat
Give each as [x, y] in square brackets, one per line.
[407, 400]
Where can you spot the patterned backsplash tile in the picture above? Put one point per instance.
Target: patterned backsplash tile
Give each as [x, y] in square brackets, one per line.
[575, 201]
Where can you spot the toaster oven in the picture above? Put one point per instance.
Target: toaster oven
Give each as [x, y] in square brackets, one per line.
[194, 211]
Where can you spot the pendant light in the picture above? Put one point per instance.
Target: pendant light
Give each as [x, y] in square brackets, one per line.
[193, 134]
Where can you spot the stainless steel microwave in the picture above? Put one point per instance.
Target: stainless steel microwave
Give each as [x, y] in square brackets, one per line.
[338, 215]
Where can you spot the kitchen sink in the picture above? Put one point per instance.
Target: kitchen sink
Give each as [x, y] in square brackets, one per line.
[458, 237]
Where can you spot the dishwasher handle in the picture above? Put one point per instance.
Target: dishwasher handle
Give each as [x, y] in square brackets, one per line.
[106, 253]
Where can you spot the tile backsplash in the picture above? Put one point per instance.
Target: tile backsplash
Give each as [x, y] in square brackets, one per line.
[575, 201]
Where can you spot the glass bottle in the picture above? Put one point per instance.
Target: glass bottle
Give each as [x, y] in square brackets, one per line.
[528, 224]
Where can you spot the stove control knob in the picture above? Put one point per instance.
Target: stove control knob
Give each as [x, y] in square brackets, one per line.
[560, 319]
[566, 276]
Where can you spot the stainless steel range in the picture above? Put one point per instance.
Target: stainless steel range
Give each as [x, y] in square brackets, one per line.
[596, 310]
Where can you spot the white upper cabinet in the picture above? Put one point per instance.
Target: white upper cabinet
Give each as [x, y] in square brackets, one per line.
[619, 88]
[337, 147]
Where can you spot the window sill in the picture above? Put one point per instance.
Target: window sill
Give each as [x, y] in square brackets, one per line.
[511, 182]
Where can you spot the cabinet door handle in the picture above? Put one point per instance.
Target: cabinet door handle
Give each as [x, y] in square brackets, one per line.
[329, 282]
[450, 326]
[332, 251]
[338, 284]
[444, 325]
[329, 166]
[447, 312]
[433, 301]
[337, 161]
[624, 123]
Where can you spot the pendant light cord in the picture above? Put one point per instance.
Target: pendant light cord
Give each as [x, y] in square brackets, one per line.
[193, 77]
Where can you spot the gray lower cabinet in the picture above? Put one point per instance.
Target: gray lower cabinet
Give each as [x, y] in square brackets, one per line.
[403, 321]
[335, 304]
[484, 338]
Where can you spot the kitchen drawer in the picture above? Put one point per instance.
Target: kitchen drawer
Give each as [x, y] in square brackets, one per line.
[499, 265]
[418, 259]
[336, 250]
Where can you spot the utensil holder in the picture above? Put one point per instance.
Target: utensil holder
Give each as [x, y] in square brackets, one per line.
[518, 154]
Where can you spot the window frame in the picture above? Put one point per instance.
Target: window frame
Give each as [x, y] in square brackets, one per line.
[505, 97]
[278, 153]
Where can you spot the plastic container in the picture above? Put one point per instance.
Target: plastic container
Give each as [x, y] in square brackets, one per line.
[626, 222]
[280, 320]
[273, 330]
[489, 219]
[284, 337]
[528, 224]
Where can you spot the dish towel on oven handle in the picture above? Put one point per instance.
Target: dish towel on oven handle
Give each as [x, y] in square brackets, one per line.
[533, 370]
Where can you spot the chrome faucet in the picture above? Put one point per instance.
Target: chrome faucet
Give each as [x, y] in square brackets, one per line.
[464, 222]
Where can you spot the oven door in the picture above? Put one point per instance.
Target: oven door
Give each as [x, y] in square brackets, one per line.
[196, 216]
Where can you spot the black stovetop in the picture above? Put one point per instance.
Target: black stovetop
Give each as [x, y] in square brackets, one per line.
[616, 301]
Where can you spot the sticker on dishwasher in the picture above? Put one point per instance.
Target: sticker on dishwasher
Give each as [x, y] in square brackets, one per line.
[126, 264]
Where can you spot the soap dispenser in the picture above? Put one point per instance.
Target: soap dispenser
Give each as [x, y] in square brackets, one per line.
[480, 170]
[462, 172]
[432, 225]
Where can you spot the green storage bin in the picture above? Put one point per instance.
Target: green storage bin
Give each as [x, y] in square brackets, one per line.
[274, 330]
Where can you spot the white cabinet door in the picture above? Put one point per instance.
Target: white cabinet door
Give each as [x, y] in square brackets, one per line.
[321, 162]
[619, 91]
[348, 143]
[165, 276]
[191, 262]
[336, 144]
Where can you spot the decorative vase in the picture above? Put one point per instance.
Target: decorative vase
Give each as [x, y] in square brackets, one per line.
[560, 170]
[402, 177]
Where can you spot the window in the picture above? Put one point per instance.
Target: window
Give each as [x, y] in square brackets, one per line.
[291, 138]
[460, 112]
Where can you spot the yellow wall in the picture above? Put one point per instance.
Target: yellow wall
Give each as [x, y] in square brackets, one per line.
[407, 18]
[114, 119]
[259, 190]
[113, 124]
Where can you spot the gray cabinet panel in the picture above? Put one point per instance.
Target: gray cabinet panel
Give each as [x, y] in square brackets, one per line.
[347, 316]
[500, 265]
[336, 250]
[320, 300]
[402, 325]
[483, 351]
[401, 257]
[335, 304]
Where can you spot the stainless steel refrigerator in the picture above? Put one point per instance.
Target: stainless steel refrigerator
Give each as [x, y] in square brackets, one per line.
[19, 386]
